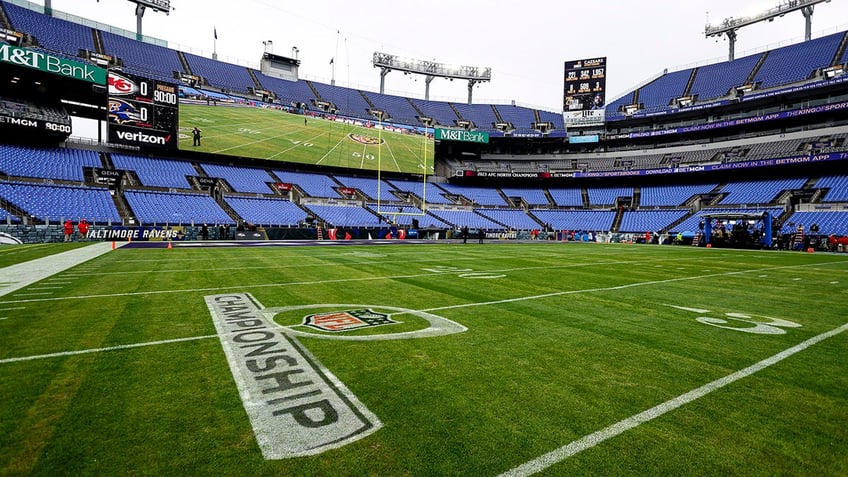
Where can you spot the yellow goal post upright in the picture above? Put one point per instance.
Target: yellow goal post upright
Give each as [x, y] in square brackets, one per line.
[395, 213]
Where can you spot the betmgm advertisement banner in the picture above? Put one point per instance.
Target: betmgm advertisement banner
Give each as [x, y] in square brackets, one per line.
[584, 97]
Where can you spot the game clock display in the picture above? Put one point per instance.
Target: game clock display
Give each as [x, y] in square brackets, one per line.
[142, 112]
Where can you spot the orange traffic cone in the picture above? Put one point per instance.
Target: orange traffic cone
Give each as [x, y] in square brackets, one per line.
[169, 245]
[113, 245]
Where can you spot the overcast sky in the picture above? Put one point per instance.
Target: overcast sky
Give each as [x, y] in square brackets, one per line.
[525, 43]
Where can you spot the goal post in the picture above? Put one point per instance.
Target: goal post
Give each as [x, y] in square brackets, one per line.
[395, 213]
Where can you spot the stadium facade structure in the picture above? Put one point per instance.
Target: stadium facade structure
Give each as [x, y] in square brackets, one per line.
[762, 133]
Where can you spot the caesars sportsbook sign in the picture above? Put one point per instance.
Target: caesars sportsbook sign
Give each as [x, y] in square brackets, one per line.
[39, 60]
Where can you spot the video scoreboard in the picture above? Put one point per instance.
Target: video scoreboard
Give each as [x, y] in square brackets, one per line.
[142, 112]
[585, 91]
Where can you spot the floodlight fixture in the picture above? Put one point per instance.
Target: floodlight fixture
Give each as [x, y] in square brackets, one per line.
[155, 5]
[430, 69]
[729, 25]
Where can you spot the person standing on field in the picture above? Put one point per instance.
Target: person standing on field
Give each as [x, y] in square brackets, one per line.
[68, 228]
[83, 229]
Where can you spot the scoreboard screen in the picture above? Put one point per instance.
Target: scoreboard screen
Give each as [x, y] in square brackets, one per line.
[585, 90]
[142, 112]
[585, 84]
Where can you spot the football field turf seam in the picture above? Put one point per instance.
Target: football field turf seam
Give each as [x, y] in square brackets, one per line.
[591, 440]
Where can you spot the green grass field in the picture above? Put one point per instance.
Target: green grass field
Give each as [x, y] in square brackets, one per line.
[280, 136]
[578, 359]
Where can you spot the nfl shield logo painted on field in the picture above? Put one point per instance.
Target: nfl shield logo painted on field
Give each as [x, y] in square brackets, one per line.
[347, 320]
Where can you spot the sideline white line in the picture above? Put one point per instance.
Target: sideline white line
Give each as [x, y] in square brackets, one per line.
[98, 350]
[24, 274]
[587, 442]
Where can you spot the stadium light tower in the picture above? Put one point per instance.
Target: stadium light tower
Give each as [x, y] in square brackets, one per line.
[729, 25]
[431, 70]
[155, 5]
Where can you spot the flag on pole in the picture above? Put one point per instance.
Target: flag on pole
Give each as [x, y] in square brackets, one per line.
[215, 31]
[331, 60]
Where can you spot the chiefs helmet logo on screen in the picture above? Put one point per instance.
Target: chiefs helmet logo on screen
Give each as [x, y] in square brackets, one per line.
[120, 85]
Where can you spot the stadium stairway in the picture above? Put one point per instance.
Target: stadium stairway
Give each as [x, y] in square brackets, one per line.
[254, 78]
[4, 20]
[840, 51]
[14, 210]
[97, 38]
[184, 62]
[124, 209]
[677, 222]
[497, 114]
[455, 111]
[756, 69]
[616, 222]
[314, 90]
[367, 100]
[219, 199]
[420, 113]
[106, 160]
[691, 81]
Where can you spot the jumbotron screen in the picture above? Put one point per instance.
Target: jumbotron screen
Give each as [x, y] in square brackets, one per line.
[298, 134]
[585, 84]
[142, 112]
[584, 97]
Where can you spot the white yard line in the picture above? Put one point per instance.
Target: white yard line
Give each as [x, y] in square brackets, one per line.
[100, 350]
[587, 442]
[24, 274]
[318, 282]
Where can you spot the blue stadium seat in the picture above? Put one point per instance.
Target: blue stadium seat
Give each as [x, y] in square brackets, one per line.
[56, 202]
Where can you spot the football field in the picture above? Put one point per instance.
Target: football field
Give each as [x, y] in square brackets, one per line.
[281, 136]
[425, 359]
